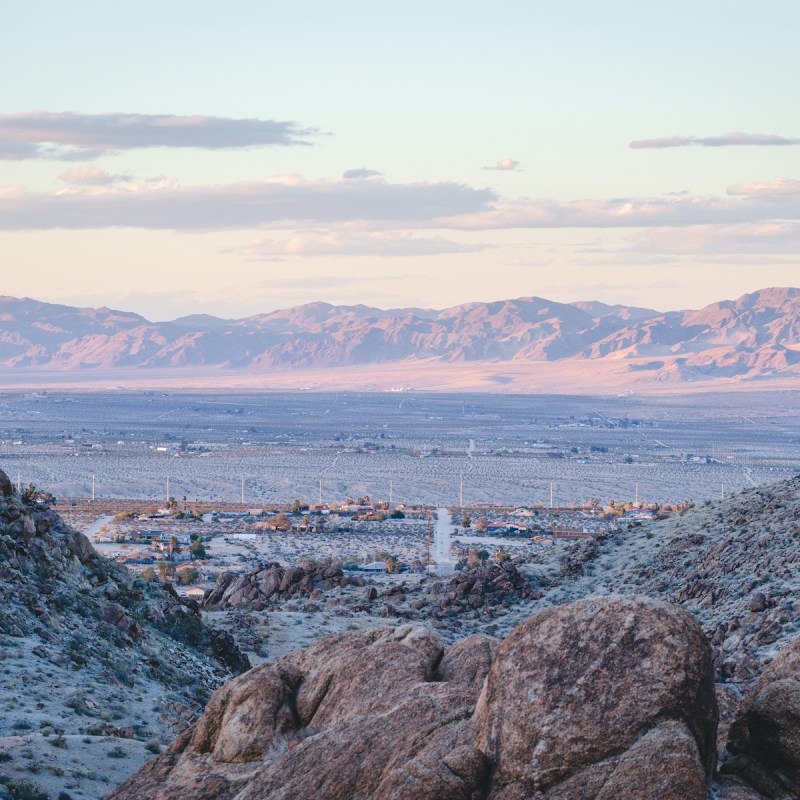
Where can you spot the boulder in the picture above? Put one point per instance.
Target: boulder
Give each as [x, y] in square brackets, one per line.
[245, 717]
[573, 691]
[468, 661]
[417, 750]
[358, 673]
[605, 699]
[6, 487]
[765, 736]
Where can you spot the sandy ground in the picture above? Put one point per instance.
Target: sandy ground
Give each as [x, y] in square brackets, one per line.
[607, 377]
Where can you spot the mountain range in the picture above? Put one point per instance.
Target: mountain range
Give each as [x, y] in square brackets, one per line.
[755, 336]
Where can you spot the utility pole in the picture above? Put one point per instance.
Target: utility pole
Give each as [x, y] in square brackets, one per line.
[637, 494]
[92, 488]
[320, 491]
[722, 493]
[242, 491]
[167, 489]
[390, 491]
[19, 483]
[428, 548]
[551, 494]
[461, 492]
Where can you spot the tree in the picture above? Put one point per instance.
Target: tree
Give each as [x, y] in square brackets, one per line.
[165, 569]
[148, 574]
[466, 521]
[297, 507]
[198, 549]
[174, 546]
[482, 524]
[187, 575]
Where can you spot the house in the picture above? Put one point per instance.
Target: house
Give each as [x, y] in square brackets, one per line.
[375, 566]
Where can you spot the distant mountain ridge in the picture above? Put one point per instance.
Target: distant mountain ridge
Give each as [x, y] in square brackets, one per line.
[757, 335]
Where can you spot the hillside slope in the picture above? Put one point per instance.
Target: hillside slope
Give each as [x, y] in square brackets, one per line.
[95, 664]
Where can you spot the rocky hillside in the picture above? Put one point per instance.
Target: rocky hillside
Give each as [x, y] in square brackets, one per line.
[756, 335]
[734, 564]
[98, 669]
[605, 698]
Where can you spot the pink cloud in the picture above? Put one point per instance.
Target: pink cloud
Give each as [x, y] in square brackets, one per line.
[315, 244]
[779, 187]
[506, 165]
[91, 176]
[732, 139]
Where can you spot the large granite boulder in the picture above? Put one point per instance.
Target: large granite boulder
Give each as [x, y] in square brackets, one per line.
[765, 736]
[603, 692]
[610, 698]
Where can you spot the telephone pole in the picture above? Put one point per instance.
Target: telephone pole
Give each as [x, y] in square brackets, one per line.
[320, 491]
[390, 491]
[242, 491]
[551, 494]
[92, 488]
[461, 492]
[167, 489]
[428, 548]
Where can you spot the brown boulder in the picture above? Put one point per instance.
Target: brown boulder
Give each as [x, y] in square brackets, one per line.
[610, 699]
[419, 749]
[244, 717]
[118, 616]
[6, 487]
[581, 684]
[80, 546]
[765, 736]
[468, 661]
[358, 673]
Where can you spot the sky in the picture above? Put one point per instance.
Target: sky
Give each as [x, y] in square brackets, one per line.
[234, 158]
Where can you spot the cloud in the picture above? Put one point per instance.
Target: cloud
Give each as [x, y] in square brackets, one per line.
[627, 212]
[779, 187]
[91, 176]
[757, 239]
[733, 139]
[506, 165]
[278, 202]
[360, 174]
[71, 136]
[335, 244]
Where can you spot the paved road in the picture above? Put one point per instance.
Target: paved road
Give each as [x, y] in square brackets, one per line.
[97, 526]
[441, 543]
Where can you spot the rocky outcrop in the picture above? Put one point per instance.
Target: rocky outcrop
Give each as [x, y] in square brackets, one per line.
[619, 691]
[764, 739]
[732, 563]
[180, 617]
[73, 624]
[270, 583]
[604, 698]
[6, 487]
[468, 661]
[489, 585]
